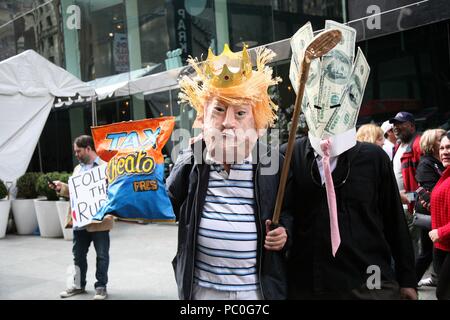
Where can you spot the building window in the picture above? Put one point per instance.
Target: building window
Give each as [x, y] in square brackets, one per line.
[104, 42]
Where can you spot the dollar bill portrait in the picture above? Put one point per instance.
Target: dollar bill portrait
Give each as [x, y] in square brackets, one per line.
[355, 92]
[337, 67]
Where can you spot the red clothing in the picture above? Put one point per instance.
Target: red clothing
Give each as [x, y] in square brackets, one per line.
[410, 160]
[440, 210]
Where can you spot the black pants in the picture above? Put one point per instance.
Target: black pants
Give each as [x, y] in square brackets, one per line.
[442, 259]
[424, 259]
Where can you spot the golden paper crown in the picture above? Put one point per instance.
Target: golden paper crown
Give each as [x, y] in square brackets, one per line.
[217, 68]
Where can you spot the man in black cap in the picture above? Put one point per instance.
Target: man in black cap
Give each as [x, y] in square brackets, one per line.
[406, 154]
[405, 159]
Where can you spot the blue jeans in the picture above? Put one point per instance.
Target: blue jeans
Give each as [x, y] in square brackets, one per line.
[81, 242]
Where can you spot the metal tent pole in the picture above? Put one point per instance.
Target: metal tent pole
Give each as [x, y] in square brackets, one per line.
[40, 155]
[94, 110]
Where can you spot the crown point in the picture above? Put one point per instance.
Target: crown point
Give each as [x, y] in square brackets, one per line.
[210, 53]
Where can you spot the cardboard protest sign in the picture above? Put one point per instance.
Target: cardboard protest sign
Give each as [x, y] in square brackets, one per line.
[87, 194]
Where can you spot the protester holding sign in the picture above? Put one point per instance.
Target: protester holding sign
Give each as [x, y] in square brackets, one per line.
[84, 150]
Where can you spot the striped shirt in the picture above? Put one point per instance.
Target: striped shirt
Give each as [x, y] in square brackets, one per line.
[227, 238]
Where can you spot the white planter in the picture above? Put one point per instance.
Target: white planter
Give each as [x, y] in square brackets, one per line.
[5, 205]
[63, 209]
[24, 215]
[48, 219]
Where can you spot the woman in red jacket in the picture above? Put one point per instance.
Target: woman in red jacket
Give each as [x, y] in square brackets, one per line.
[440, 221]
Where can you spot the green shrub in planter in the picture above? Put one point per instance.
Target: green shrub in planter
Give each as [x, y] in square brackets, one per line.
[26, 185]
[42, 187]
[64, 177]
[3, 190]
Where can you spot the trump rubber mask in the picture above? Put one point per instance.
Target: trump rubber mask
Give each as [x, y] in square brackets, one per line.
[232, 101]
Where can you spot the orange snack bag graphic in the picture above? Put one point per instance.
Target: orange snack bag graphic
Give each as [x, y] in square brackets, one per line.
[135, 172]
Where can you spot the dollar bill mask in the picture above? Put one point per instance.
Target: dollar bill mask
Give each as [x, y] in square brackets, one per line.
[334, 90]
[331, 102]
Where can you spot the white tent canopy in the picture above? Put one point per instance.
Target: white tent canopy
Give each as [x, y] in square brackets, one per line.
[107, 86]
[151, 83]
[134, 82]
[29, 84]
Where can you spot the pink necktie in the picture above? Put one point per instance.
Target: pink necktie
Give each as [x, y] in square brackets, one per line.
[331, 196]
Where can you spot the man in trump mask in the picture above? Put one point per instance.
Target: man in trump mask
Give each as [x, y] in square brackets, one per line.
[218, 188]
[349, 224]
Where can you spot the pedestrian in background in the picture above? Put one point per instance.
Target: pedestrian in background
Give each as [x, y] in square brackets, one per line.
[440, 220]
[389, 138]
[428, 173]
[370, 133]
[406, 158]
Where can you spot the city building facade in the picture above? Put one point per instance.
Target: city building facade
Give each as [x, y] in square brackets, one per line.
[110, 43]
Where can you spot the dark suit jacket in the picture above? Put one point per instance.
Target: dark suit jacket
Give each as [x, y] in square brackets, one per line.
[372, 225]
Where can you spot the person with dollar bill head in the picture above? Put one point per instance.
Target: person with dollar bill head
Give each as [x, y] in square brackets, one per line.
[350, 239]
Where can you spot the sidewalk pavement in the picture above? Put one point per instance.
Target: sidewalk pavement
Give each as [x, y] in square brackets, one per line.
[140, 268]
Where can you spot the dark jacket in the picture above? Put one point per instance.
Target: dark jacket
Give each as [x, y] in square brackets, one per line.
[428, 173]
[371, 223]
[187, 186]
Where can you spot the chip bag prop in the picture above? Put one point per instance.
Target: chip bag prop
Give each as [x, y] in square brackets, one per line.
[135, 169]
